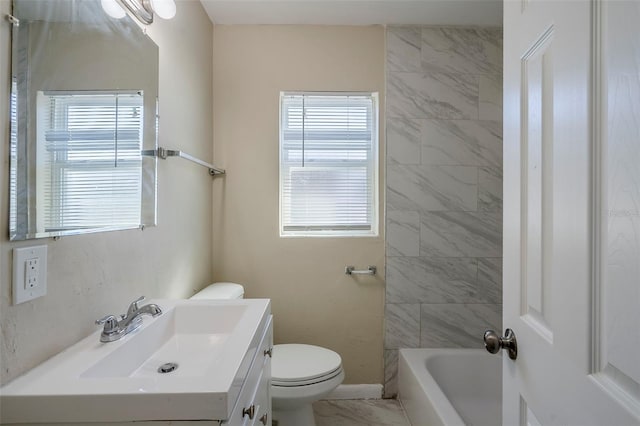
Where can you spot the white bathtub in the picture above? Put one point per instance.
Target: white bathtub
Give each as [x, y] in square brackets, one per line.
[450, 387]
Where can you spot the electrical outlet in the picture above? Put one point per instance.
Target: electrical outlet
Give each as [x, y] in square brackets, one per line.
[29, 273]
[32, 269]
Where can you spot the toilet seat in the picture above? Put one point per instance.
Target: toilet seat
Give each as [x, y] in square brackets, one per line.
[301, 365]
[290, 384]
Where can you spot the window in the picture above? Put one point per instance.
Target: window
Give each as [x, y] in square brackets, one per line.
[328, 164]
[89, 158]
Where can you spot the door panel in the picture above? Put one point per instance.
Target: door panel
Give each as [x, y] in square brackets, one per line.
[536, 184]
[618, 298]
[527, 417]
[572, 212]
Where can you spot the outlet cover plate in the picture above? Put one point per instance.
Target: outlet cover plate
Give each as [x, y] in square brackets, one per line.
[22, 292]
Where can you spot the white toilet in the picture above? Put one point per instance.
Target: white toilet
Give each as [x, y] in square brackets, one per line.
[301, 374]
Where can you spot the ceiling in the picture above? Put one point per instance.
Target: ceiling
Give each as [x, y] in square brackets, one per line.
[356, 12]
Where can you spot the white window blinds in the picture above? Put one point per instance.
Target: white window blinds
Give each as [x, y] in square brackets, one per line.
[90, 156]
[13, 152]
[328, 164]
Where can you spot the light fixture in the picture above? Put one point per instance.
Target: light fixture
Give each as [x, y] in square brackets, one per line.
[143, 10]
[166, 9]
[113, 8]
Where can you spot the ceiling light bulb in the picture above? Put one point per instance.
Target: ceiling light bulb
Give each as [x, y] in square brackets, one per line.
[166, 9]
[113, 8]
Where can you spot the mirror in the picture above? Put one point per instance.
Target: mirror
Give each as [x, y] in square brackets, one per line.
[83, 109]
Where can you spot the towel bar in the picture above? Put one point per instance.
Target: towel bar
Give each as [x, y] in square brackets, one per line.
[163, 153]
[350, 270]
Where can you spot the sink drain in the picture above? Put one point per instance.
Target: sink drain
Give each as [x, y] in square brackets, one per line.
[168, 367]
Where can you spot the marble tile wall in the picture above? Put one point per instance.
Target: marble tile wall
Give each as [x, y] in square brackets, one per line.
[443, 189]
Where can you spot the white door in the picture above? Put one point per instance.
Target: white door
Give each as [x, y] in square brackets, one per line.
[572, 212]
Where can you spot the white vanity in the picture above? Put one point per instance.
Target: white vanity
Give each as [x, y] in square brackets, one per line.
[222, 349]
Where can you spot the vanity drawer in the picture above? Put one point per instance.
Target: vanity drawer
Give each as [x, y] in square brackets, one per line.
[256, 384]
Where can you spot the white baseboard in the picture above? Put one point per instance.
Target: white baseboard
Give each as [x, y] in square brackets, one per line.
[373, 391]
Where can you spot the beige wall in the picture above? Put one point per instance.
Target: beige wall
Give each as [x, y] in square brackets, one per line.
[313, 301]
[92, 275]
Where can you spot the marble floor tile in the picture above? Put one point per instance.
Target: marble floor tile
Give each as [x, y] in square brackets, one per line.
[360, 412]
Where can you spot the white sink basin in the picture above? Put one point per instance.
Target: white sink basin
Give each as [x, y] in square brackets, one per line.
[191, 336]
[212, 343]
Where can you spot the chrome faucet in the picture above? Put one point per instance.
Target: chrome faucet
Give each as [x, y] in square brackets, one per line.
[115, 328]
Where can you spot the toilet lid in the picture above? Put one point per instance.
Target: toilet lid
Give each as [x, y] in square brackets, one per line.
[298, 363]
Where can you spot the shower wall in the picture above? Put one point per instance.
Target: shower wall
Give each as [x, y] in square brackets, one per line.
[443, 189]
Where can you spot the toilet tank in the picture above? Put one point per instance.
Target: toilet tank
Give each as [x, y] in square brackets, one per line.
[218, 291]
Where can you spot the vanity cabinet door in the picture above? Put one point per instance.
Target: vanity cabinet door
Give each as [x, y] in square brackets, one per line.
[254, 401]
[246, 409]
[263, 393]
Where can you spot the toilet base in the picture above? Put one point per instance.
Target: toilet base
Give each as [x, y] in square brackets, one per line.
[303, 416]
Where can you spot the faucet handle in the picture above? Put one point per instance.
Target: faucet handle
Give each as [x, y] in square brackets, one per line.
[134, 306]
[110, 323]
[111, 330]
